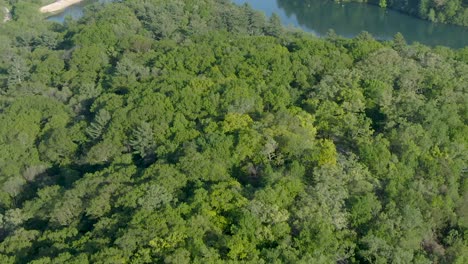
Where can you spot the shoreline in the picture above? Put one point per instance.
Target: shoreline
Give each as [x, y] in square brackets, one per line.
[58, 6]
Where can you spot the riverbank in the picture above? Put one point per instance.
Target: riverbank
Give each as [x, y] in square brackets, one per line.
[58, 6]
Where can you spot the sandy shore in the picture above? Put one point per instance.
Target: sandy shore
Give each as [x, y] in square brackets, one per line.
[7, 16]
[58, 6]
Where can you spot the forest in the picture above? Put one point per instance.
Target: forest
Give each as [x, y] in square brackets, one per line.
[198, 131]
[443, 11]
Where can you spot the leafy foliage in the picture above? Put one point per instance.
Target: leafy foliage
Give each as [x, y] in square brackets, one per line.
[200, 131]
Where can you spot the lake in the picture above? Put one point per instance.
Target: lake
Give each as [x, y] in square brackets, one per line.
[348, 20]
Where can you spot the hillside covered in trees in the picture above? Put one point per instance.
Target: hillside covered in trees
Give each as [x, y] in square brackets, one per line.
[197, 131]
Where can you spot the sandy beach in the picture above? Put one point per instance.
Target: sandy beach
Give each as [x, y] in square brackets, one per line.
[7, 16]
[58, 6]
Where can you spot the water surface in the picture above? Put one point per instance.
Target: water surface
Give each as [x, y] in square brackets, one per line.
[348, 20]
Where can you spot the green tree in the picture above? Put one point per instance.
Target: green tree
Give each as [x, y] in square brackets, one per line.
[142, 140]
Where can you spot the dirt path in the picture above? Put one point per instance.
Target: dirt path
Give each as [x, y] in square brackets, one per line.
[58, 6]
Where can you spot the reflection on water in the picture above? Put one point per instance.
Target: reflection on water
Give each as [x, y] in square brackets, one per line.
[349, 19]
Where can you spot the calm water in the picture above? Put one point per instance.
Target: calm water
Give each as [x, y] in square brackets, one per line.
[348, 20]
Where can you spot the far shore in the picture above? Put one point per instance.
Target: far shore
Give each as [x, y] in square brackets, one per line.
[58, 6]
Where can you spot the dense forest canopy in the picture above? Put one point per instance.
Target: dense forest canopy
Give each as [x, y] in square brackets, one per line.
[197, 131]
